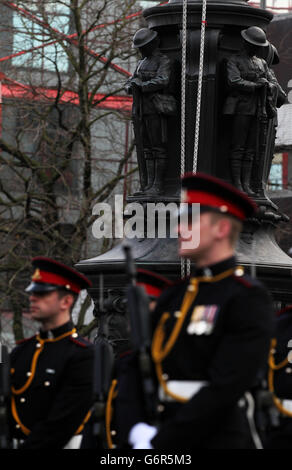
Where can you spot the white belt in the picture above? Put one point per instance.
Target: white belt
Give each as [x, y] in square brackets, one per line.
[287, 404]
[74, 442]
[183, 388]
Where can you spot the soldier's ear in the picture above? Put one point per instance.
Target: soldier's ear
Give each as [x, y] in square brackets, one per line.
[224, 227]
[67, 301]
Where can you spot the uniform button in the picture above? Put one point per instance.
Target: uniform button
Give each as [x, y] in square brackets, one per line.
[191, 288]
[177, 314]
[28, 374]
[22, 400]
[160, 408]
[47, 383]
[165, 376]
[113, 432]
[17, 426]
[75, 335]
[288, 370]
[239, 272]
[38, 345]
[273, 351]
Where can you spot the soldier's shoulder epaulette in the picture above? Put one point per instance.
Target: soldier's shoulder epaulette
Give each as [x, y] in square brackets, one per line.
[243, 280]
[25, 340]
[80, 341]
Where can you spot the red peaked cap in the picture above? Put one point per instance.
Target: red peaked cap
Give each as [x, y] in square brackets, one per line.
[50, 275]
[153, 283]
[215, 194]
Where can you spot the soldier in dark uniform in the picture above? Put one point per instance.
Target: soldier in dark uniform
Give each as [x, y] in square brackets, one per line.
[128, 380]
[52, 372]
[152, 86]
[153, 284]
[280, 381]
[249, 80]
[211, 333]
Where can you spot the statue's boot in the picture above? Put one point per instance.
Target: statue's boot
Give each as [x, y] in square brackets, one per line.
[160, 168]
[257, 180]
[246, 175]
[235, 165]
[150, 165]
[150, 169]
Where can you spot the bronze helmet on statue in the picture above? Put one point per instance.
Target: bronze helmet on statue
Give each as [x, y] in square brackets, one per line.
[255, 35]
[144, 36]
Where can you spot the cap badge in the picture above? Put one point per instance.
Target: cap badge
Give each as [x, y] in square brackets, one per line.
[36, 275]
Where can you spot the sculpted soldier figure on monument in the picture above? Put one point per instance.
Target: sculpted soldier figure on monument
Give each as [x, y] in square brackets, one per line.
[278, 98]
[268, 125]
[152, 88]
[250, 85]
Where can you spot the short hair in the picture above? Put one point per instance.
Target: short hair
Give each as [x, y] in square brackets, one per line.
[236, 226]
[62, 292]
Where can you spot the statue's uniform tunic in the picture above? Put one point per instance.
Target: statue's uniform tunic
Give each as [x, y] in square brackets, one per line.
[247, 105]
[156, 77]
[155, 73]
[243, 102]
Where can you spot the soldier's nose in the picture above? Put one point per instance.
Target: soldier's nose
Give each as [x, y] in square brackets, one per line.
[32, 298]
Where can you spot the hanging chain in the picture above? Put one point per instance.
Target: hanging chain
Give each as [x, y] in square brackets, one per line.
[183, 84]
[183, 100]
[199, 99]
[200, 84]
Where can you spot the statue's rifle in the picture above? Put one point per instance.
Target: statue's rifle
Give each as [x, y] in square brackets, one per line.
[261, 140]
[137, 118]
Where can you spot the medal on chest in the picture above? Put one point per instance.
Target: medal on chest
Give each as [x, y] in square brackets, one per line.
[202, 320]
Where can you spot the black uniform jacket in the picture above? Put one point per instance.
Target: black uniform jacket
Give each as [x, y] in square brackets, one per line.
[242, 74]
[279, 434]
[282, 354]
[228, 357]
[51, 395]
[156, 74]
